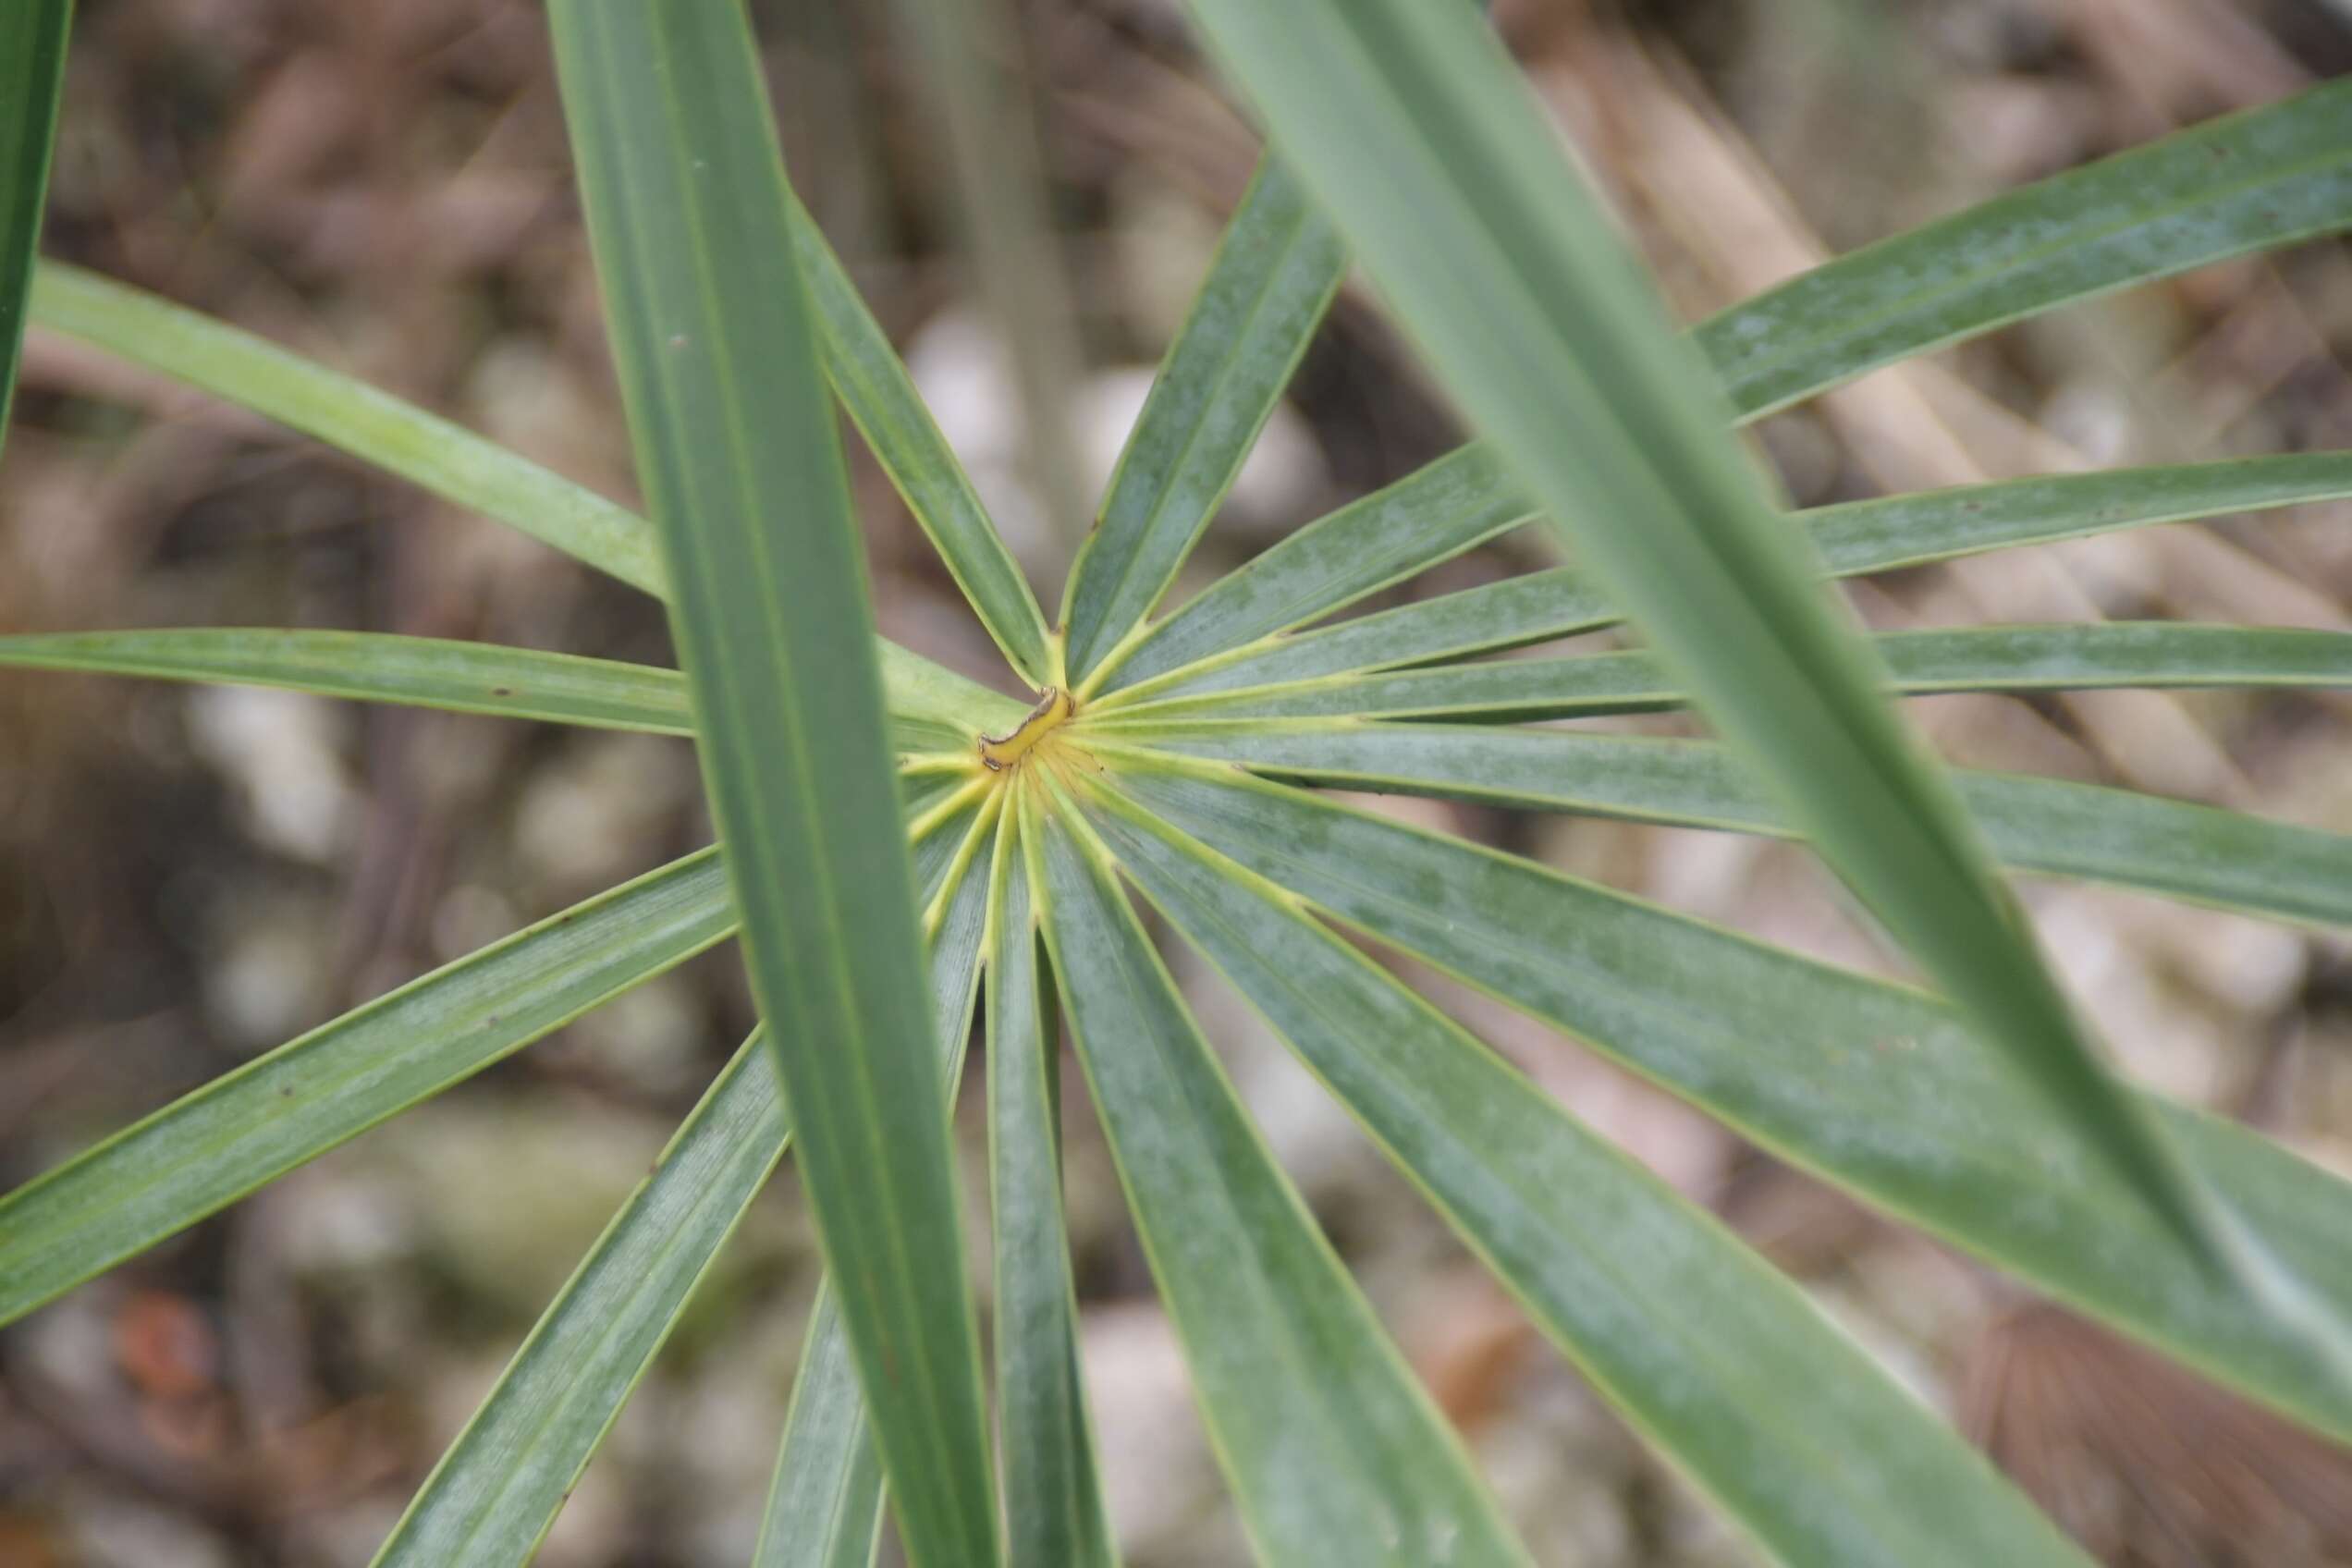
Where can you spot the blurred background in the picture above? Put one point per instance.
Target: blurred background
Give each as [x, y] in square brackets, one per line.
[190, 876]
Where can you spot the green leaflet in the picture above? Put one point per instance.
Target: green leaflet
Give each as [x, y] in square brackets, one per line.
[1333, 1450]
[1853, 538]
[691, 223]
[1712, 1353]
[495, 1492]
[931, 710]
[1977, 658]
[825, 1501]
[2175, 848]
[1872, 1086]
[2241, 183]
[1054, 1509]
[1415, 131]
[873, 386]
[420, 671]
[33, 75]
[381, 430]
[1274, 275]
[246, 1127]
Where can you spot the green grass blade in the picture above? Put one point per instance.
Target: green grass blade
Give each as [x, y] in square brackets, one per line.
[1427, 517]
[931, 710]
[2182, 850]
[1054, 1510]
[398, 437]
[496, 1491]
[1273, 277]
[247, 1128]
[1979, 658]
[1420, 137]
[875, 388]
[33, 78]
[1334, 1451]
[825, 1502]
[1872, 1086]
[690, 224]
[1713, 1355]
[1933, 525]
[2233, 186]
[418, 672]
[1853, 538]
[429, 451]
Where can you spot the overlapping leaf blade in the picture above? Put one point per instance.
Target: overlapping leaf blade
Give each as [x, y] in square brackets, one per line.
[247, 1128]
[690, 224]
[1274, 275]
[1412, 126]
[1873, 1086]
[2241, 183]
[421, 671]
[33, 75]
[1334, 1452]
[825, 1499]
[2175, 848]
[1983, 658]
[880, 397]
[1054, 1509]
[381, 430]
[1717, 1357]
[496, 1491]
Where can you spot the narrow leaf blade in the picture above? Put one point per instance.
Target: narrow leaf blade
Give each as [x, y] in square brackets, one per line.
[1054, 1510]
[1273, 277]
[479, 677]
[495, 1492]
[2173, 848]
[33, 79]
[881, 399]
[2233, 186]
[691, 223]
[1977, 658]
[825, 1499]
[397, 436]
[243, 1130]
